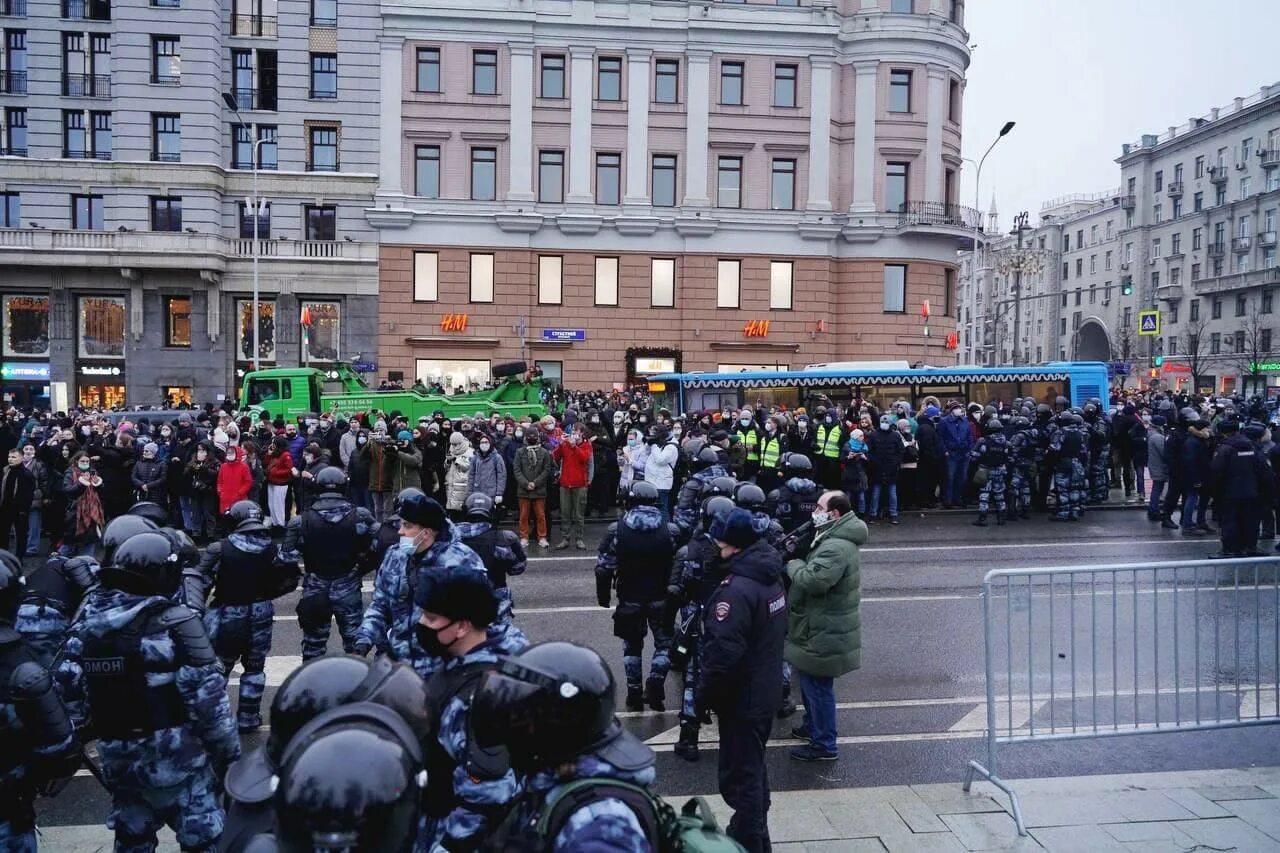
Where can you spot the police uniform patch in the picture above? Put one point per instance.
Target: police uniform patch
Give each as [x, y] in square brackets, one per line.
[722, 611]
[777, 603]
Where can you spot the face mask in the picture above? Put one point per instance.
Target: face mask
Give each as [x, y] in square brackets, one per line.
[408, 544]
[770, 428]
[884, 426]
[429, 639]
[573, 439]
[519, 433]
[955, 413]
[308, 459]
[633, 442]
[617, 419]
[466, 428]
[595, 420]
[85, 430]
[744, 421]
[677, 432]
[83, 466]
[643, 419]
[164, 433]
[820, 517]
[484, 447]
[362, 439]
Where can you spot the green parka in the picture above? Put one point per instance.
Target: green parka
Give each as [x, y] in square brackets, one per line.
[824, 631]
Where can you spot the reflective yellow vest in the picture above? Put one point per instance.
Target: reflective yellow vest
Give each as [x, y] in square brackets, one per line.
[828, 444]
[770, 452]
[751, 440]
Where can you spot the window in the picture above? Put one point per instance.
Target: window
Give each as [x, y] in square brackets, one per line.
[1194, 313]
[1246, 149]
[551, 177]
[1246, 186]
[1155, 248]
[1239, 342]
[87, 213]
[729, 182]
[1220, 196]
[1264, 340]
[324, 76]
[781, 279]
[609, 78]
[321, 221]
[1241, 305]
[1062, 330]
[166, 137]
[1128, 317]
[481, 289]
[10, 210]
[75, 140]
[323, 149]
[608, 178]
[1157, 213]
[662, 292]
[1177, 208]
[1110, 228]
[895, 186]
[1175, 275]
[1066, 270]
[895, 288]
[1078, 292]
[1155, 279]
[784, 85]
[552, 83]
[550, 285]
[664, 180]
[1200, 166]
[728, 283]
[177, 321]
[782, 187]
[484, 72]
[1173, 346]
[1093, 264]
[1173, 313]
[426, 276]
[666, 81]
[324, 13]
[166, 213]
[14, 141]
[953, 102]
[1175, 244]
[899, 91]
[1197, 239]
[1159, 179]
[13, 80]
[1132, 186]
[246, 221]
[102, 327]
[1215, 312]
[1079, 267]
[266, 331]
[426, 171]
[606, 281]
[26, 325]
[731, 83]
[1106, 261]
[484, 174]
[428, 69]
[1093, 294]
[321, 341]
[1195, 272]
[166, 60]
[904, 7]
[1066, 241]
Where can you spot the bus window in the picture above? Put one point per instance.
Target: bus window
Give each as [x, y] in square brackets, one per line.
[263, 390]
[1046, 392]
[884, 396]
[944, 394]
[766, 397]
[313, 403]
[989, 392]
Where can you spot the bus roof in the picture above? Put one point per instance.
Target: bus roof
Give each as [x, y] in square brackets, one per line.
[938, 375]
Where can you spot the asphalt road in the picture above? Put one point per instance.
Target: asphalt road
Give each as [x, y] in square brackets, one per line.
[916, 712]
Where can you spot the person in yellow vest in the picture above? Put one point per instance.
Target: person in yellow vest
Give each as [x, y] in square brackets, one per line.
[747, 428]
[773, 449]
[828, 438]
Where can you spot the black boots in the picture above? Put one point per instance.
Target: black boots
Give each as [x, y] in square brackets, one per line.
[999, 518]
[981, 520]
[655, 694]
[687, 746]
[635, 699]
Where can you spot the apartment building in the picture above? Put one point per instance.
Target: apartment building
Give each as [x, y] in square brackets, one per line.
[611, 189]
[127, 220]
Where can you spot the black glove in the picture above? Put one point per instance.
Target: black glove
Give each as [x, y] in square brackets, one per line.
[670, 608]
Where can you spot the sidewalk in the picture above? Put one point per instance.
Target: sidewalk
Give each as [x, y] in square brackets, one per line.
[1207, 810]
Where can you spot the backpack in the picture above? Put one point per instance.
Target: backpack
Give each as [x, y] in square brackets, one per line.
[693, 830]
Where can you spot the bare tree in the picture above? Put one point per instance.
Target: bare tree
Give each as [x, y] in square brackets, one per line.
[1193, 343]
[1123, 344]
[1249, 349]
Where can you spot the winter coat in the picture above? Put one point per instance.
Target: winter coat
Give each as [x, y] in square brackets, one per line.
[532, 465]
[202, 477]
[43, 493]
[575, 462]
[151, 474]
[358, 465]
[957, 438]
[457, 470]
[1193, 461]
[235, 482]
[279, 467]
[407, 468]
[659, 468]
[383, 464]
[487, 474]
[17, 489]
[632, 465]
[929, 441]
[886, 452]
[824, 632]
[1157, 459]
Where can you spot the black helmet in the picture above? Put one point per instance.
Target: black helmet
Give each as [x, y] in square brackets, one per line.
[416, 508]
[144, 564]
[992, 425]
[150, 510]
[331, 479]
[1062, 403]
[715, 505]
[1064, 418]
[479, 505]
[1021, 422]
[11, 585]
[326, 800]
[1076, 419]
[188, 553]
[242, 511]
[549, 704]
[797, 465]
[1043, 409]
[691, 451]
[120, 529]
[405, 494]
[1090, 411]
[749, 496]
[642, 494]
[720, 486]
[706, 457]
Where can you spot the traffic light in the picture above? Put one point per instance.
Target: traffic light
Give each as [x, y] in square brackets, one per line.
[1126, 288]
[1158, 361]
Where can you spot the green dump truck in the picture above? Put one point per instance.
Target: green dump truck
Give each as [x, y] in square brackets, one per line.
[289, 392]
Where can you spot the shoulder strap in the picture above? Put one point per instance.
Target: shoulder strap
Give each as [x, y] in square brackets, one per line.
[581, 792]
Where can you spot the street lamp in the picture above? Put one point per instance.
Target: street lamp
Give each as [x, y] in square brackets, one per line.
[229, 99]
[1020, 261]
[977, 202]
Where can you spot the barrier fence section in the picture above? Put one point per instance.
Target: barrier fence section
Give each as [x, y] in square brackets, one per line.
[1143, 648]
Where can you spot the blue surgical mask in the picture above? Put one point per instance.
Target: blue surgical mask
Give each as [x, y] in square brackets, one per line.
[408, 545]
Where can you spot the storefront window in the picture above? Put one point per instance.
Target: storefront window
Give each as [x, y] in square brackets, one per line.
[177, 395]
[320, 330]
[100, 396]
[102, 322]
[552, 373]
[266, 330]
[177, 321]
[26, 325]
[455, 376]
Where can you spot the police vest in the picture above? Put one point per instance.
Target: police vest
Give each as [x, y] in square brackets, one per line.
[644, 563]
[796, 508]
[243, 576]
[124, 706]
[440, 798]
[770, 452]
[995, 452]
[1071, 443]
[330, 550]
[828, 443]
[485, 545]
[751, 441]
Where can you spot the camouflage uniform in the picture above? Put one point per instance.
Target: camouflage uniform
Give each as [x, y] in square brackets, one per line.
[992, 452]
[1022, 447]
[689, 498]
[389, 619]
[1099, 441]
[172, 774]
[1071, 446]
[501, 554]
[53, 594]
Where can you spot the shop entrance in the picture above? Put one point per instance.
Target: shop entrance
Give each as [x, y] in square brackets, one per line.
[99, 395]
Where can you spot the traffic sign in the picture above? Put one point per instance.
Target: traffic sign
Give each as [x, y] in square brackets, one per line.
[1149, 323]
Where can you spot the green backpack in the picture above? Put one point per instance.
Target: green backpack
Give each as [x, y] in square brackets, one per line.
[693, 830]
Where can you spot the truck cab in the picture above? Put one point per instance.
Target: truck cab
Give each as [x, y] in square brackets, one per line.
[283, 392]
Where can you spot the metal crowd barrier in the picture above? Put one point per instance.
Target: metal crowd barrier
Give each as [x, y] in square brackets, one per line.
[1103, 651]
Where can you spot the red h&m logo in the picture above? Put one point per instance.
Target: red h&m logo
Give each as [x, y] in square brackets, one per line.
[756, 329]
[453, 323]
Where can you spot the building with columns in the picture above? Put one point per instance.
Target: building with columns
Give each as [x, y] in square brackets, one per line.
[609, 189]
[126, 222]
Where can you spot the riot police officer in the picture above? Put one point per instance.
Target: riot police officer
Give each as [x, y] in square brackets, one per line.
[992, 455]
[151, 511]
[1242, 486]
[793, 503]
[1022, 467]
[332, 536]
[1043, 431]
[153, 687]
[119, 529]
[499, 550]
[751, 497]
[50, 598]
[634, 555]
[705, 465]
[244, 572]
[388, 620]
[1069, 450]
[38, 747]
[1098, 429]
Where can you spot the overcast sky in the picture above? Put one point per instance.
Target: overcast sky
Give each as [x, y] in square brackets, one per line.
[1083, 77]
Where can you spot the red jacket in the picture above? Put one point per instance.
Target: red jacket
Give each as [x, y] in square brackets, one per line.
[279, 468]
[234, 482]
[574, 463]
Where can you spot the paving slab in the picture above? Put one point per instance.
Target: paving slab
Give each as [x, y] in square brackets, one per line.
[1230, 833]
[923, 842]
[1076, 839]
[1234, 792]
[989, 832]
[1194, 802]
[1072, 809]
[1263, 815]
[1147, 805]
[1155, 830]
[917, 814]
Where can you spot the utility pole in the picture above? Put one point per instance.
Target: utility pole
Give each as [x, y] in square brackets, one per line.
[1019, 261]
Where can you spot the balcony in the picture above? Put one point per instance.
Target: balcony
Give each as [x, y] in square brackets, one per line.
[1270, 159]
[1266, 239]
[253, 26]
[1238, 281]
[1218, 174]
[13, 82]
[1169, 292]
[1128, 201]
[86, 85]
[1174, 189]
[14, 8]
[166, 80]
[1241, 245]
[70, 154]
[914, 213]
[255, 99]
[86, 10]
[1215, 250]
[335, 166]
[166, 156]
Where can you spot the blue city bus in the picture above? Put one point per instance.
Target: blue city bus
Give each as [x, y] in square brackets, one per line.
[879, 383]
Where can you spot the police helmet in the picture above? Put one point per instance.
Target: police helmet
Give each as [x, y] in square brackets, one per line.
[157, 514]
[413, 506]
[992, 425]
[120, 529]
[11, 585]
[642, 494]
[1090, 411]
[479, 505]
[81, 571]
[144, 564]
[1077, 419]
[720, 486]
[1064, 418]
[1021, 422]
[186, 550]
[706, 457]
[1227, 426]
[797, 465]
[1097, 401]
[988, 411]
[715, 505]
[691, 451]
[1062, 403]
[1043, 409]
[331, 479]
[749, 496]
[242, 511]
[549, 704]
[326, 801]
[1076, 410]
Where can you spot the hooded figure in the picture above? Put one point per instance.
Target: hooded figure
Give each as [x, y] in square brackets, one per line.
[457, 472]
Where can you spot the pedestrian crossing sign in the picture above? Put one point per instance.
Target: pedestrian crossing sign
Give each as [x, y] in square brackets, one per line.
[1149, 323]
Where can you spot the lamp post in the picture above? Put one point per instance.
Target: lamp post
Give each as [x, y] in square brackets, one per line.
[1021, 260]
[977, 202]
[229, 99]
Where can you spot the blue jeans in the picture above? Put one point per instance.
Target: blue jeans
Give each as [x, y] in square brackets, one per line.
[1190, 503]
[876, 489]
[957, 477]
[858, 499]
[33, 531]
[1157, 489]
[1139, 479]
[664, 503]
[188, 512]
[819, 710]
